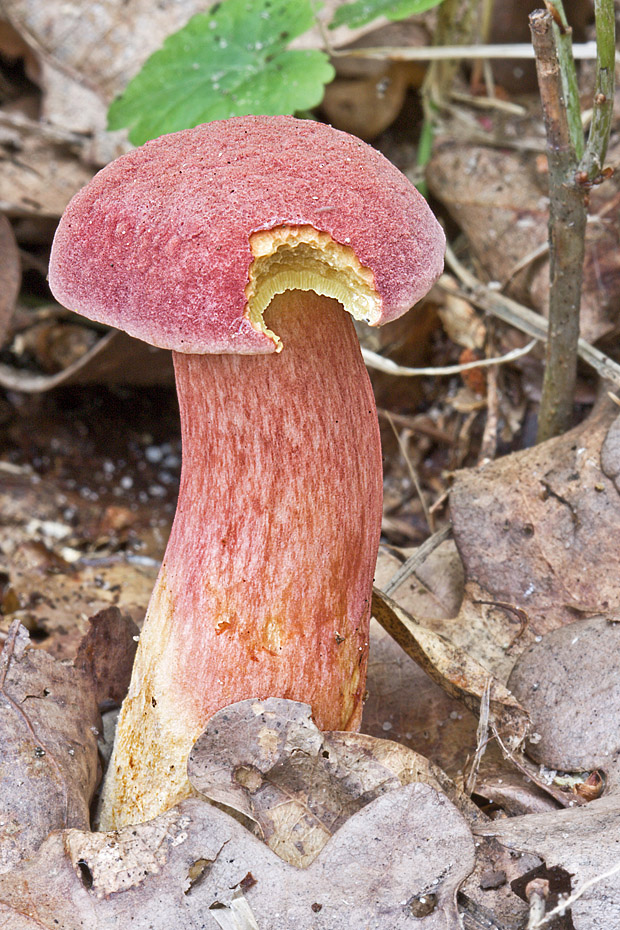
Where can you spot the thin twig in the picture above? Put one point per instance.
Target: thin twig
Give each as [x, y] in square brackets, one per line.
[418, 424]
[413, 473]
[410, 566]
[530, 771]
[380, 363]
[585, 51]
[488, 445]
[482, 738]
[529, 259]
[488, 103]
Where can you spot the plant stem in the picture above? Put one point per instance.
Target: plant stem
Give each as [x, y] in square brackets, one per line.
[573, 167]
[567, 222]
[592, 161]
[563, 43]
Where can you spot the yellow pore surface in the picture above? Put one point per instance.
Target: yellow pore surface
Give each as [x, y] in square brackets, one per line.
[301, 258]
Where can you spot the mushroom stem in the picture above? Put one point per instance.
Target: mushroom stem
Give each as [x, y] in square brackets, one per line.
[266, 582]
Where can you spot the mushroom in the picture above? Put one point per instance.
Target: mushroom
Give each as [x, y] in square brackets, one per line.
[237, 244]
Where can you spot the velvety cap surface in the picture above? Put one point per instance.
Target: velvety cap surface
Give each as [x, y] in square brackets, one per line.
[157, 243]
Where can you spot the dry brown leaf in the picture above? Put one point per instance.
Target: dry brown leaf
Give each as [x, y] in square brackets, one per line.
[37, 178]
[102, 46]
[452, 668]
[107, 652]
[10, 274]
[49, 723]
[268, 761]
[537, 532]
[54, 602]
[404, 854]
[570, 686]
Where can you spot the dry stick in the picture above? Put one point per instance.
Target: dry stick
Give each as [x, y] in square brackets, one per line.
[482, 738]
[416, 559]
[413, 473]
[488, 446]
[567, 224]
[381, 363]
[586, 51]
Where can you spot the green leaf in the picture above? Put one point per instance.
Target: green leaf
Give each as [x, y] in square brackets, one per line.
[230, 61]
[362, 12]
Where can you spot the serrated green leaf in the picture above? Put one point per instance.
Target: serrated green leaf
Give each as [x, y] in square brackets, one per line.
[230, 61]
[362, 12]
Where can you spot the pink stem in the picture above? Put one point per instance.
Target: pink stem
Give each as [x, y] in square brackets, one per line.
[266, 582]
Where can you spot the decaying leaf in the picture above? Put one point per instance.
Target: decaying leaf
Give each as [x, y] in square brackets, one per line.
[49, 723]
[400, 857]
[570, 686]
[537, 532]
[451, 667]
[107, 652]
[269, 762]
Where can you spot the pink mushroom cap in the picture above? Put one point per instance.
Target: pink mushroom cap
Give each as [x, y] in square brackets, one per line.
[157, 244]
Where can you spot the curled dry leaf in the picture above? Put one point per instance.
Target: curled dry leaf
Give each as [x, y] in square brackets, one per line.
[537, 532]
[268, 761]
[406, 850]
[49, 723]
[452, 668]
[570, 686]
